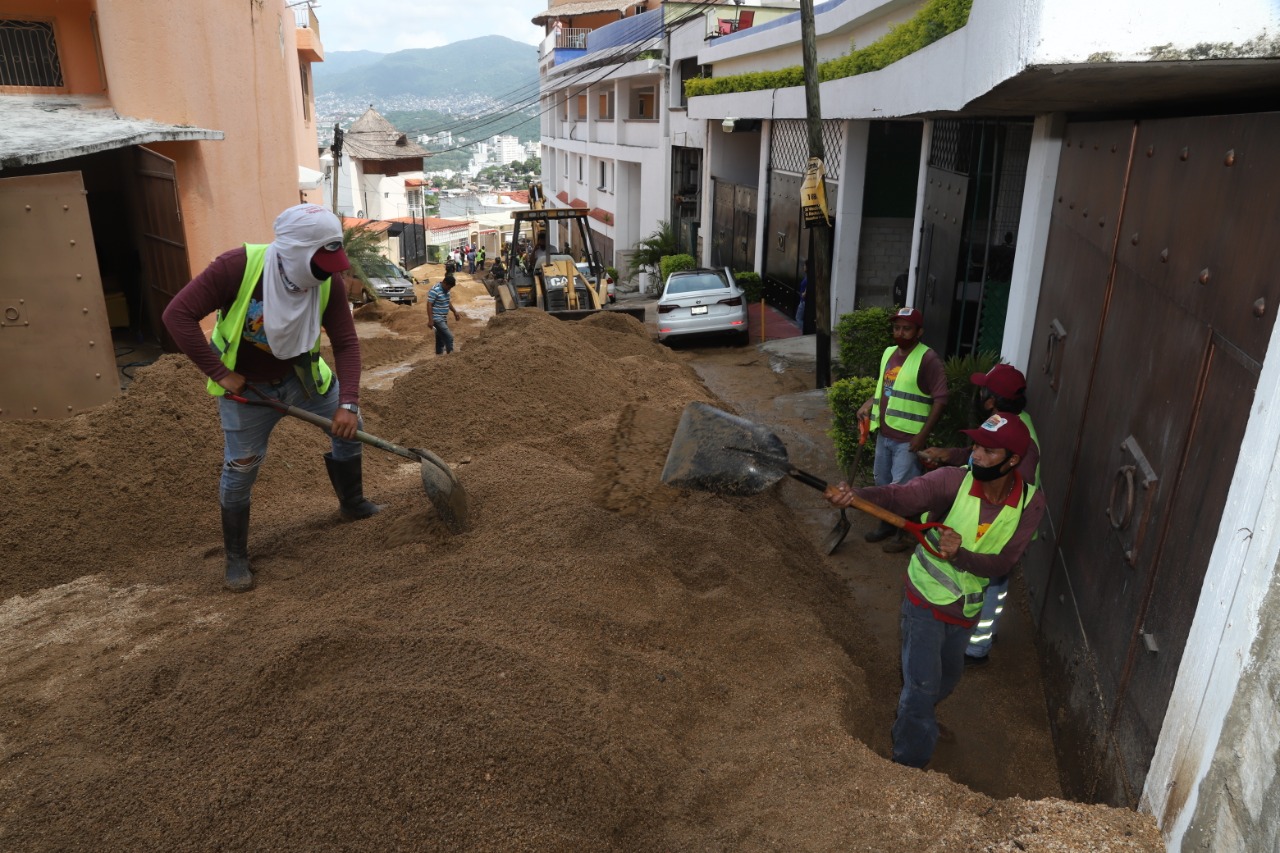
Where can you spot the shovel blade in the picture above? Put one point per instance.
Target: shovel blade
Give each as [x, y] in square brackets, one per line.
[445, 491]
[706, 454]
[837, 534]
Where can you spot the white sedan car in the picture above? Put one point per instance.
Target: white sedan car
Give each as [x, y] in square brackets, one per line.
[700, 302]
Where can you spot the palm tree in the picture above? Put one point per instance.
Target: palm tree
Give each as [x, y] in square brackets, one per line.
[361, 246]
[650, 251]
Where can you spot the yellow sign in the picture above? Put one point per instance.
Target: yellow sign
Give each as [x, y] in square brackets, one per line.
[813, 196]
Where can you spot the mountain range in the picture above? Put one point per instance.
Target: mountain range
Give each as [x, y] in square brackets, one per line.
[487, 67]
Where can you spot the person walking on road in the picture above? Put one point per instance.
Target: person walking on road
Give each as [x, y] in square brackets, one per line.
[480, 259]
[440, 303]
[271, 301]
[992, 513]
[910, 396]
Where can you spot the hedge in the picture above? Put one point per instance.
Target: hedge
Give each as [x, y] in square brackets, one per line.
[936, 19]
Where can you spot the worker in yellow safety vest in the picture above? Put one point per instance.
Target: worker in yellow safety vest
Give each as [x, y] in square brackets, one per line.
[271, 303]
[911, 392]
[991, 513]
[1003, 388]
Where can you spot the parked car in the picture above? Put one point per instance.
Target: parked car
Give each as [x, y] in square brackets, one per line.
[702, 301]
[585, 269]
[391, 282]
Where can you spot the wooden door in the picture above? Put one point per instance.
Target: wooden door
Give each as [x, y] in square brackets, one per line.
[162, 238]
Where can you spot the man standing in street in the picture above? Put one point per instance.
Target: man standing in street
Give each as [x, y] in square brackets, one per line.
[440, 303]
[990, 513]
[480, 259]
[910, 396]
[271, 303]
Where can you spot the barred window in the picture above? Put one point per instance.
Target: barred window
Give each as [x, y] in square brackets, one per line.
[29, 54]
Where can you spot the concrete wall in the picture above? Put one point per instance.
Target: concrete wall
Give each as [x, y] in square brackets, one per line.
[885, 254]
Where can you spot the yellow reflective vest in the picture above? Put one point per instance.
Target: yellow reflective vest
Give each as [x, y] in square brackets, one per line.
[938, 581]
[908, 405]
[229, 329]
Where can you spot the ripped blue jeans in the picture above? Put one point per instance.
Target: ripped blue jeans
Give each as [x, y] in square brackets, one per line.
[246, 430]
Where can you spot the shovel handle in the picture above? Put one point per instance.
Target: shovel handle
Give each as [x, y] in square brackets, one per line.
[915, 529]
[325, 424]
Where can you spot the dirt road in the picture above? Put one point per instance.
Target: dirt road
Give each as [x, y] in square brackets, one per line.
[602, 663]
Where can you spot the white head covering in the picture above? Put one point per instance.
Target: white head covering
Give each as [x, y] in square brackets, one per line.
[290, 291]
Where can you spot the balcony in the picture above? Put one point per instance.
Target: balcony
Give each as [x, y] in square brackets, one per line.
[564, 45]
[308, 33]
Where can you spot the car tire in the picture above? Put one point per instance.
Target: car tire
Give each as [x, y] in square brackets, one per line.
[742, 338]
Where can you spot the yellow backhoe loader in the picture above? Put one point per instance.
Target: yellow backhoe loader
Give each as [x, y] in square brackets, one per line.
[538, 278]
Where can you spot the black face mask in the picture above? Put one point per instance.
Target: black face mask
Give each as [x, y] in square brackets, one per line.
[986, 475]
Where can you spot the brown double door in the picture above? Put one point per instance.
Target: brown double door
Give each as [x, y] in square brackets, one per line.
[1155, 311]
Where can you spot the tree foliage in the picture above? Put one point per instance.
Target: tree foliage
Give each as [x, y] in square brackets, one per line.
[650, 251]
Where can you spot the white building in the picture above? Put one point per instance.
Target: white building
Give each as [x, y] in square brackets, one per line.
[376, 161]
[506, 149]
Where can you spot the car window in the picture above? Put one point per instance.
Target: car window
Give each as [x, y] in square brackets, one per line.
[694, 283]
[380, 269]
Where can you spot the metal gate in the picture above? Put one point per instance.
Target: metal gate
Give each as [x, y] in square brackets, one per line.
[733, 226]
[943, 223]
[55, 343]
[165, 268]
[1154, 316]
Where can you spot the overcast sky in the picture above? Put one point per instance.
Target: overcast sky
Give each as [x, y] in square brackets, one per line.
[390, 25]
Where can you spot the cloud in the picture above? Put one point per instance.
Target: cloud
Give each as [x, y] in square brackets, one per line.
[391, 25]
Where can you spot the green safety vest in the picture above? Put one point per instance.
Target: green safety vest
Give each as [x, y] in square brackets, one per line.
[1035, 439]
[229, 329]
[940, 582]
[908, 406]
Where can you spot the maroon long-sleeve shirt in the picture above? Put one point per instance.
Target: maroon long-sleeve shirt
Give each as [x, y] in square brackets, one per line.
[217, 287]
[934, 493]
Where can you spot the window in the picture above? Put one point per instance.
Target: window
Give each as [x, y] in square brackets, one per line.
[304, 72]
[566, 164]
[29, 55]
[580, 159]
[581, 113]
[689, 70]
[606, 175]
[605, 105]
[642, 106]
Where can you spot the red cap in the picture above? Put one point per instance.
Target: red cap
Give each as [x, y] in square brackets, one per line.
[331, 262]
[1003, 380]
[911, 315]
[1002, 430]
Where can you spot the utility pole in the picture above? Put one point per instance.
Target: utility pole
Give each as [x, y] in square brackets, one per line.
[816, 217]
[336, 148]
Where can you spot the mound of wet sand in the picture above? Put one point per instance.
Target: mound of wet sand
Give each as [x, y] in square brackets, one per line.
[675, 672]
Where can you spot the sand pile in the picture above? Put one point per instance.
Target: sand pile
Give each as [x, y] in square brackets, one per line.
[680, 674]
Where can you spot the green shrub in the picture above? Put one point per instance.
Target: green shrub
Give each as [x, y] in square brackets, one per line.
[844, 398]
[961, 409]
[751, 284]
[674, 263]
[936, 19]
[863, 335]
[612, 272]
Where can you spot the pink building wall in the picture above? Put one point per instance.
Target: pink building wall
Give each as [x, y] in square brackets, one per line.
[227, 66]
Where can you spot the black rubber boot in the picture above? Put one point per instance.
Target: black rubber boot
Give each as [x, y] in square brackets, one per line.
[348, 484]
[880, 533]
[235, 539]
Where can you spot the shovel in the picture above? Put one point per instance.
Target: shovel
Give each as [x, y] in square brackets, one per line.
[714, 451]
[841, 530]
[438, 480]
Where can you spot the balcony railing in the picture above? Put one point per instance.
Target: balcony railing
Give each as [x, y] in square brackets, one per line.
[573, 38]
[304, 17]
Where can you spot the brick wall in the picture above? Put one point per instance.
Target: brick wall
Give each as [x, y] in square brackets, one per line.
[884, 253]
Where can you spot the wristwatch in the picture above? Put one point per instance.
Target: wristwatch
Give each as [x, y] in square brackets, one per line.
[350, 407]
